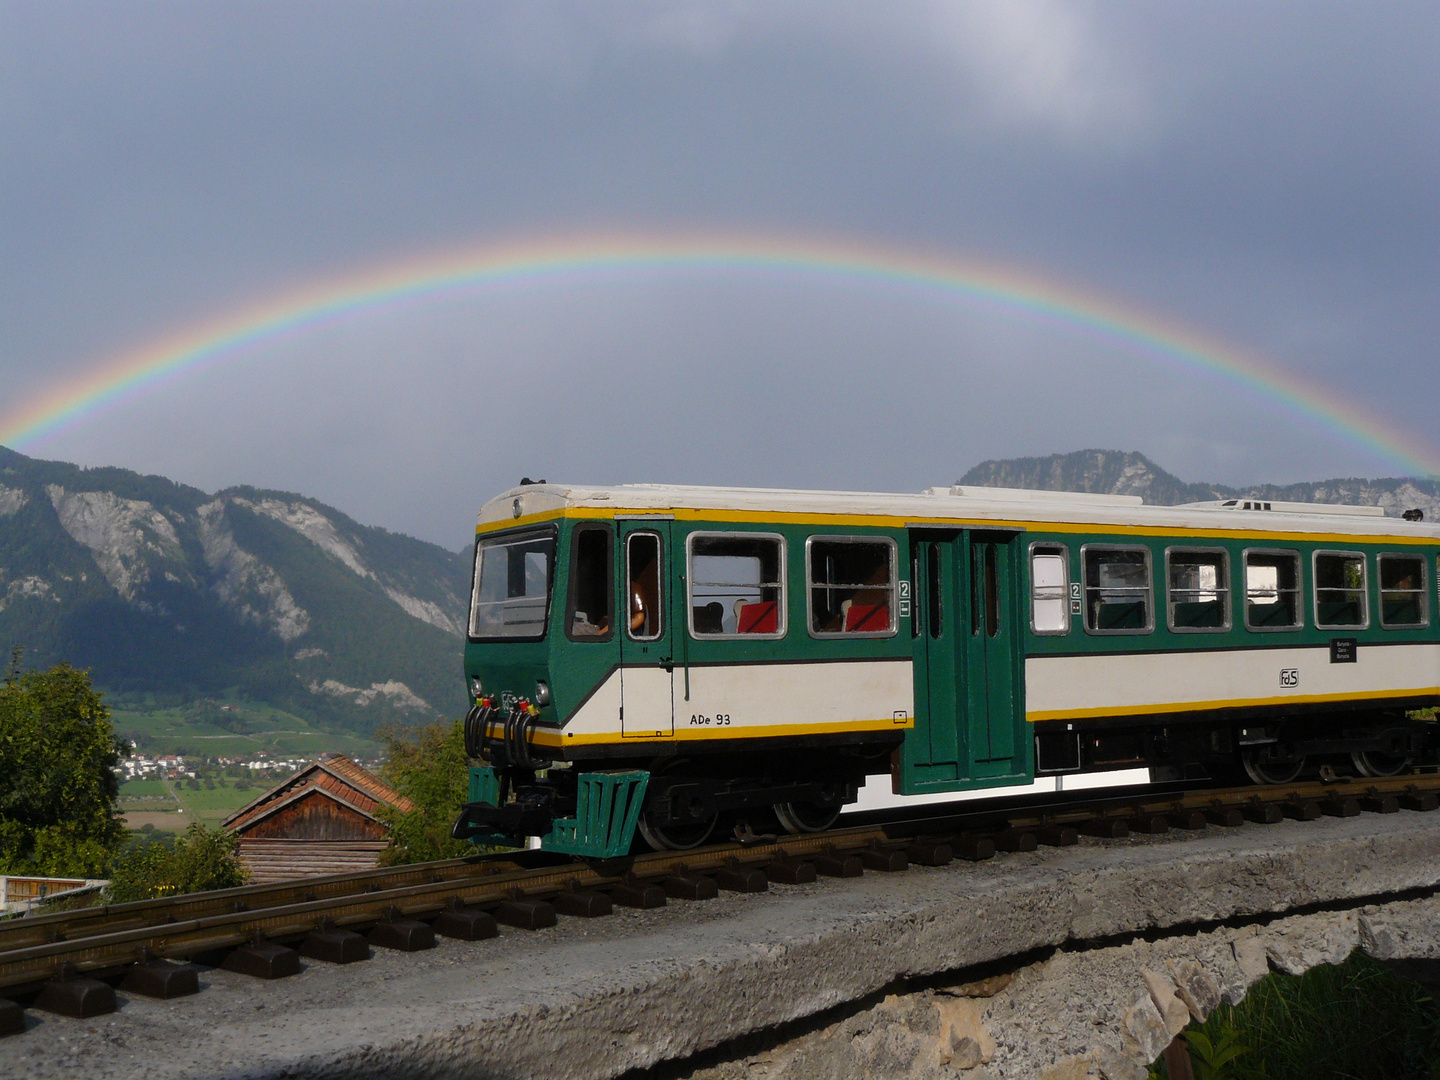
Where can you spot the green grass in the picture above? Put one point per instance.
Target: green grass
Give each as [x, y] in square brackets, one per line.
[1350, 1021]
[212, 806]
[143, 789]
[281, 734]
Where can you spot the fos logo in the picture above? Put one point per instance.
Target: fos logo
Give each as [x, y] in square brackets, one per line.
[1289, 676]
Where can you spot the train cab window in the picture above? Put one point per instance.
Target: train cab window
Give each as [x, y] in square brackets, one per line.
[1340, 590]
[1272, 590]
[589, 614]
[736, 585]
[1049, 583]
[852, 586]
[642, 576]
[1198, 589]
[1118, 592]
[511, 594]
[1404, 595]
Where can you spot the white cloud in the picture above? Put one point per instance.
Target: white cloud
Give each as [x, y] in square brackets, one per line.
[1031, 64]
[1040, 62]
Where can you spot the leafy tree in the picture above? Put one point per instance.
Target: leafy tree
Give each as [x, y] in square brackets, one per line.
[428, 766]
[58, 787]
[156, 865]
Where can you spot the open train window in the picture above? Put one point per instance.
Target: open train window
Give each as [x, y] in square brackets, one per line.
[736, 585]
[1118, 591]
[1404, 594]
[1272, 590]
[588, 615]
[1049, 586]
[643, 577]
[851, 580]
[1340, 590]
[511, 594]
[1197, 599]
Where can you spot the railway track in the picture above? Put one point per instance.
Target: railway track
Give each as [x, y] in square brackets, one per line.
[71, 962]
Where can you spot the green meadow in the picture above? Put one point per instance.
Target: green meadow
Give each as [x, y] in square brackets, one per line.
[228, 728]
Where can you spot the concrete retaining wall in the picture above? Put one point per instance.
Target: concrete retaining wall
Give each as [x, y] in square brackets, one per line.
[874, 966]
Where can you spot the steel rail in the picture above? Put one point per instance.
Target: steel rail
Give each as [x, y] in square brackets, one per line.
[106, 939]
[183, 938]
[34, 929]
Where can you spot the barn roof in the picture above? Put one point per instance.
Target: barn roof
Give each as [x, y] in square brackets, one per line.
[334, 777]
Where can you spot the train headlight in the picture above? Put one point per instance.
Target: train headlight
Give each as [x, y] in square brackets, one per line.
[476, 689]
[542, 693]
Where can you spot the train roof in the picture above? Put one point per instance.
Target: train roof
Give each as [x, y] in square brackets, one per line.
[962, 504]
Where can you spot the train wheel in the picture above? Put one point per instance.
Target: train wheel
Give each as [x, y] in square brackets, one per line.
[1271, 772]
[804, 817]
[1374, 763]
[676, 837]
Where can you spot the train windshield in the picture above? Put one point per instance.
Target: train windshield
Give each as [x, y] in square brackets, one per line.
[511, 597]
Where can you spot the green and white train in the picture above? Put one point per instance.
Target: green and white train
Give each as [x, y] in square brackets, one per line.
[664, 658]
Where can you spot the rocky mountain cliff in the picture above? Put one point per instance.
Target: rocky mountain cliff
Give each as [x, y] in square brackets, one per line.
[159, 587]
[1116, 472]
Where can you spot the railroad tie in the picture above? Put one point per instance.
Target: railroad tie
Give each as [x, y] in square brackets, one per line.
[465, 923]
[1015, 840]
[788, 871]
[734, 877]
[583, 903]
[636, 893]
[164, 979]
[12, 1018]
[334, 946]
[75, 996]
[402, 934]
[525, 914]
[263, 959]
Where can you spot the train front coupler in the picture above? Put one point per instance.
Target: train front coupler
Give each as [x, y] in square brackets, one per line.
[606, 809]
[593, 815]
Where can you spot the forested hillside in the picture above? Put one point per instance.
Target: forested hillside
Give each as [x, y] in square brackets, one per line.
[171, 595]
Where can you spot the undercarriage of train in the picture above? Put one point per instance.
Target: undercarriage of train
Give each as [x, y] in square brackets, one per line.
[1262, 749]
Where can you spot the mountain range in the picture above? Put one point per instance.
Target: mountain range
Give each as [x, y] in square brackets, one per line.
[163, 589]
[1116, 472]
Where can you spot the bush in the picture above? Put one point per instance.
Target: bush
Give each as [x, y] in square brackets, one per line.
[58, 753]
[427, 765]
[159, 865]
[1350, 1021]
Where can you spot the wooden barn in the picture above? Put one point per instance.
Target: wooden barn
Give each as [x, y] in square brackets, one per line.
[323, 820]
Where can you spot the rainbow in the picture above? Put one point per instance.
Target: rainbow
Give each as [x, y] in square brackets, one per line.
[569, 258]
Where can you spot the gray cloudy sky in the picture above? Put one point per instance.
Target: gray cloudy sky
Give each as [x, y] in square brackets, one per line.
[1264, 173]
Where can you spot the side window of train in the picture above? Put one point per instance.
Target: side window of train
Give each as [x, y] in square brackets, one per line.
[1272, 590]
[1404, 593]
[851, 580]
[1340, 592]
[588, 614]
[1197, 590]
[1049, 586]
[736, 585]
[1118, 591]
[643, 578]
